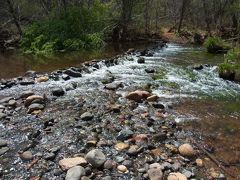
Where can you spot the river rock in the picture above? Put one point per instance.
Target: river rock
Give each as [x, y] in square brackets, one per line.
[199, 162]
[26, 94]
[26, 82]
[58, 91]
[72, 73]
[176, 176]
[186, 150]
[3, 150]
[121, 146]
[160, 137]
[122, 169]
[30, 99]
[75, 173]
[65, 77]
[5, 100]
[124, 134]
[2, 115]
[42, 79]
[96, 158]
[3, 143]
[68, 163]
[141, 60]
[155, 174]
[152, 98]
[12, 103]
[109, 164]
[35, 107]
[138, 95]
[150, 71]
[27, 155]
[87, 116]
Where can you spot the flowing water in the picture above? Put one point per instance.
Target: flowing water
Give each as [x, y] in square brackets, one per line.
[202, 101]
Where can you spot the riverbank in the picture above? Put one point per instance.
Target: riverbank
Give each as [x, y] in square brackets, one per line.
[96, 106]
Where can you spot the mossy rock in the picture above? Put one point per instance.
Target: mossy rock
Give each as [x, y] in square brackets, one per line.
[216, 45]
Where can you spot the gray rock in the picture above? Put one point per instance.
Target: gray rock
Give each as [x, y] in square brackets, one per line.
[26, 94]
[95, 157]
[5, 100]
[87, 116]
[3, 150]
[107, 178]
[124, 134]
[3, 143]
[34, 107]
[75, 173]
[27, 155]
[72, 73]
[187, 173]
[2, 115]
[155, 174]
[128, 163]
[12, 103]
[49, 156]
[58, 91]
[26, 82]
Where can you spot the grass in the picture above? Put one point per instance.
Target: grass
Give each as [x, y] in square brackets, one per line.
[216, 45]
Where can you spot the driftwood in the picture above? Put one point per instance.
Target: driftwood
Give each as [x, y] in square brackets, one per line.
[29, 166]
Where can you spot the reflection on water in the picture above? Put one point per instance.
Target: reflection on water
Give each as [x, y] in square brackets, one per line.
[16, 64]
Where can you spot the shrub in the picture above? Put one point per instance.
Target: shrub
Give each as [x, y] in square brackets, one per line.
[72, 30]
[216, 45]
[230, 68]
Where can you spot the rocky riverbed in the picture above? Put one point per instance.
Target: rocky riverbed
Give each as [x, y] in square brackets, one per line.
[92, 122]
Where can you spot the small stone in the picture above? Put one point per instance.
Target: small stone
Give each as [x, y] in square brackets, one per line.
[96, 158]
[121, 146]
[26, 94]
[109, 164]
[65, 77]
[122, 169]
[87, 116]
[159, 137]
[42, 79]
[49, 156]
[26, 82]
[124, 134]
[127, 163]
[32, 98]
[156, 152]
[186, 150]
[158, 106]
[5, 100]
[12, 103]
[187, 173]
[27, 155]
[3, 143]
[141, 60]
[152, 98]
[72, 73]
[107, 178]
[155, 174]
[150, 71]
[2, 115]
[199, 162]
[176, 176]
[3, 150]
[155, 166]
[68, 163]
[58, 91]
[137, 96]
[35, 107]
[134, 150]
[75, 173]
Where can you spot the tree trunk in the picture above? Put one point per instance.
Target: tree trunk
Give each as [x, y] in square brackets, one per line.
[183, 8]
[207, 18]
[15, 20]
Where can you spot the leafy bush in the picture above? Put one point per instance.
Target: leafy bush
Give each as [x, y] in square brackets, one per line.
[72, 30]
[216, 45]
[231, 65]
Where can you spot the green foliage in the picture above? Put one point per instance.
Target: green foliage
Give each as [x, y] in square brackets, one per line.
[216, 45]
[72, 30]
[231, 62]
[161, 74]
